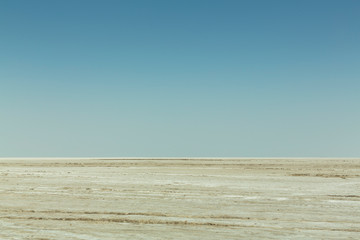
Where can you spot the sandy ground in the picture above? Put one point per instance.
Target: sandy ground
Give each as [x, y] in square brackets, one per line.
[179, 199]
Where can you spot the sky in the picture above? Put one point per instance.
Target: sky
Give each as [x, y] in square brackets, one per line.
[180, 78]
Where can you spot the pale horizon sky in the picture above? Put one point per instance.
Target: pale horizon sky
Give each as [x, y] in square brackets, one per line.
[91, 78]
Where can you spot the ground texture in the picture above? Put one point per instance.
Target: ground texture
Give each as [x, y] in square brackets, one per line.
[101, 199]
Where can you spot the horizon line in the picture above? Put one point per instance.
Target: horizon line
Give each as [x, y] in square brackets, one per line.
[170, 158]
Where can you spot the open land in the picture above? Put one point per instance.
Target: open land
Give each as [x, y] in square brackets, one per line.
[101, 199]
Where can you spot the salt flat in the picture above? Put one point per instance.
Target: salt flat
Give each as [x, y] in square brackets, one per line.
[179, 199]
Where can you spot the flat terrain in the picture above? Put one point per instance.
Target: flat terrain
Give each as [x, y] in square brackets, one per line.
[179, 199]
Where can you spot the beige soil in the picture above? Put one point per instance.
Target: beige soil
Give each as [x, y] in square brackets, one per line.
[179, 199]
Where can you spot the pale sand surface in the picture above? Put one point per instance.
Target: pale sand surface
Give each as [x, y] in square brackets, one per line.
[179, 199]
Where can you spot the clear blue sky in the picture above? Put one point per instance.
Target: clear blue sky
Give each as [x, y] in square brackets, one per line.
[180, 78]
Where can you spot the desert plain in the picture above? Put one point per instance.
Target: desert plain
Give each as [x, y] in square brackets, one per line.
[103, 199]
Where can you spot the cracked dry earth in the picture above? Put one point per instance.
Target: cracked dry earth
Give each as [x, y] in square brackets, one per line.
[100, 199]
